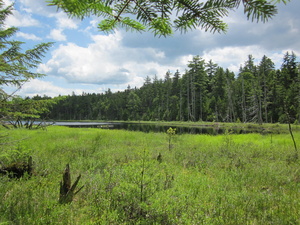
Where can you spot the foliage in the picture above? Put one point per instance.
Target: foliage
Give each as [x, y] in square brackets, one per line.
[163, 16]
[225, 179]
[21, 112]
[171, 132]
[15, 69]
[15, 65]
[205, 92]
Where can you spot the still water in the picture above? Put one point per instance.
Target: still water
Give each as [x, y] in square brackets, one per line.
[151, 127]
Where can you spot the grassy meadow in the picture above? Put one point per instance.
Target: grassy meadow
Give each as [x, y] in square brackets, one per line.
[152, 178]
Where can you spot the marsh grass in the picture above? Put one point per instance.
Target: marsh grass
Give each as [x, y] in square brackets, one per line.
[225, 179]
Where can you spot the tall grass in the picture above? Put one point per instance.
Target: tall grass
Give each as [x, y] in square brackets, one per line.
[225, 179]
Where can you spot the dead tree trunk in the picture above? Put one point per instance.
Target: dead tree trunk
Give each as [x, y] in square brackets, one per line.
[67, 191]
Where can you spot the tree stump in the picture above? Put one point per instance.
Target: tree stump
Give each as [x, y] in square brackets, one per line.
[67, 191]
[18, 169]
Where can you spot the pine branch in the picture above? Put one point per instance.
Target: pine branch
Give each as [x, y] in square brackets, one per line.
[155, 15]
[259, 10]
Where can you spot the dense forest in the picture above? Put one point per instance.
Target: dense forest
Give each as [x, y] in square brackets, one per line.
[205, 92]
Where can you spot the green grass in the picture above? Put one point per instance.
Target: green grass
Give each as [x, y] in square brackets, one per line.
[202, 179]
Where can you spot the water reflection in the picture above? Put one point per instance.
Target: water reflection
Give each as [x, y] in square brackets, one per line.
[156, 128]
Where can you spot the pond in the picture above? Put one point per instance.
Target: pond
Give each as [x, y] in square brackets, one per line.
[144, 127]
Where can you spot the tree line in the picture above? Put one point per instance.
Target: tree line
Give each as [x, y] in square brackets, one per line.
[193, 96]
[205, 92]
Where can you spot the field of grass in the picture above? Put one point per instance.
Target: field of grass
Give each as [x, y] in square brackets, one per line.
[152, 178]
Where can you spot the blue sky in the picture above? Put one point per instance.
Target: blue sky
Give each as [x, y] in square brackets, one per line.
[84, 59]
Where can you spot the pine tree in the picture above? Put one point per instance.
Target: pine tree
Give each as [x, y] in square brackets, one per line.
[146, 95]
[15, 65]
[231, 113]
[16, 68]
[167, 95]
[211, 69]
[176, 98]
[197, 88]
[245, 84]
[290, 86]
[266, 71]
[133, 105]
[218, 103]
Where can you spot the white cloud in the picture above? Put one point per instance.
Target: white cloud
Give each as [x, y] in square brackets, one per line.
[28, 36]
[38, 7]
[57, 35]
[43, 9]
[49, 88]
[293, 25]
[105, 61]
[97, 62]
[43, 68]
[233, 57]
[94, 23]
[39, 87]
[8, 2]
[184, 60]
[21, 20]
[63, 21]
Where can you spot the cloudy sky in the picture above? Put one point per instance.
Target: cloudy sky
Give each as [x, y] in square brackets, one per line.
[86, 60]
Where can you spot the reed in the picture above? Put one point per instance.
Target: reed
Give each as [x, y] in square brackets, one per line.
[224, 179]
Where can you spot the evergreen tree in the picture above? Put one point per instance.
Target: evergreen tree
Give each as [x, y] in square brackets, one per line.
[290, 86]
[230, 92]
[146, 94]
[157, 99]
[246, 86]
[266, 73]
[258, 94]
[176, 97]
[133, 105]
[197, 88]
[16, 69]
[167, 96]
[211, 69]
[218, 101]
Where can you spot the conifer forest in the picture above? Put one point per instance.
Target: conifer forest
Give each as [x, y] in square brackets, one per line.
[259, 93]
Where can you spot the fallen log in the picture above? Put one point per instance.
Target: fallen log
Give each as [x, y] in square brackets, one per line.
[18, 169]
